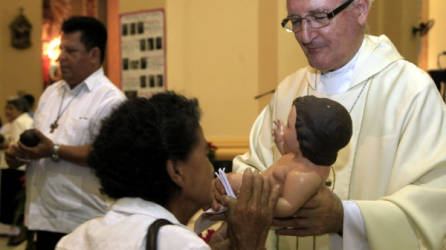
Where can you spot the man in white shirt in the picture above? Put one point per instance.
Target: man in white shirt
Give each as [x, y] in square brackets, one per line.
[391, 179]
[62, 192]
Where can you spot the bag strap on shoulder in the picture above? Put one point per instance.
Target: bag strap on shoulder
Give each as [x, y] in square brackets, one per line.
[152, 233]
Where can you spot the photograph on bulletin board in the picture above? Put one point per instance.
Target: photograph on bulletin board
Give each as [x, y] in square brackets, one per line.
[143, 56]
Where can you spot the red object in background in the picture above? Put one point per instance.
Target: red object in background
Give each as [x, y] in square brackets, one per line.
[208, 236]
[212, 146]
[22, 179]
[45, 70]
[50, 53]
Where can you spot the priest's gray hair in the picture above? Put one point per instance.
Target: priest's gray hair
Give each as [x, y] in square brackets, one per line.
[370, 3]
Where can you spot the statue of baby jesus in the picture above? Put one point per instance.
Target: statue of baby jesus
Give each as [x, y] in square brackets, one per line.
[316, 130]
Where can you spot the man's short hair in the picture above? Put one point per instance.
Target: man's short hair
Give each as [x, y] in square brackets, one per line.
[93, 32]
[323, 127]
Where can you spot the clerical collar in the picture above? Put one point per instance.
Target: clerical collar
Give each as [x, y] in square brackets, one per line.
[339, 81]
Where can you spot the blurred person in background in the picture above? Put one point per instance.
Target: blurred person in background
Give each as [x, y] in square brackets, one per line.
[12, 180]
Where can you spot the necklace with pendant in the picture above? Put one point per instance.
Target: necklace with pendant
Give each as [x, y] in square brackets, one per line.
[55, 124]
[354, 103]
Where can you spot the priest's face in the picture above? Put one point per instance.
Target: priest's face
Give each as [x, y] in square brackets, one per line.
[330, 47]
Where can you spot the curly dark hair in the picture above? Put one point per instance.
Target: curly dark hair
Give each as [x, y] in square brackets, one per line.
[93, 32]
[323, 127]
[135, 141]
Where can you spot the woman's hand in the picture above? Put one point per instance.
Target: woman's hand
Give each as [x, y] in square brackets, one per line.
[218, 191]
[220, 240]
[250, 216]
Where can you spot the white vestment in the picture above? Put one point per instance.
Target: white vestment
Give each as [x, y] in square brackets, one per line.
[394, 167]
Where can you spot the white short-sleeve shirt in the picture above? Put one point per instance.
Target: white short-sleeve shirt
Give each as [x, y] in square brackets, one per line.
[62, 195]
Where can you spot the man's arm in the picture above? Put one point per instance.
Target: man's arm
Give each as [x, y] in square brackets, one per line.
[75, 154]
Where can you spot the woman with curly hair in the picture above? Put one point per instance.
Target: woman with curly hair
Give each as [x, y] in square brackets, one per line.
[151, 156]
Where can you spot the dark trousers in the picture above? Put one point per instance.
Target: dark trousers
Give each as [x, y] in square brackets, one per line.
[11, 185]
[47, 240]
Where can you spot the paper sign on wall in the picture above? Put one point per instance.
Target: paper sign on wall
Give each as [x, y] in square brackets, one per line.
[143, 57]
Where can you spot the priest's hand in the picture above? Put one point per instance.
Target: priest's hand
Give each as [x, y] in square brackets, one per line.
[322, 214]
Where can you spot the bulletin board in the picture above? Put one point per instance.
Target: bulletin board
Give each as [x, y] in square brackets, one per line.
[143, 53]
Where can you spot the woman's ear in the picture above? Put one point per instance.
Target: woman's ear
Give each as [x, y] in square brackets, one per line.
[175, 172]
